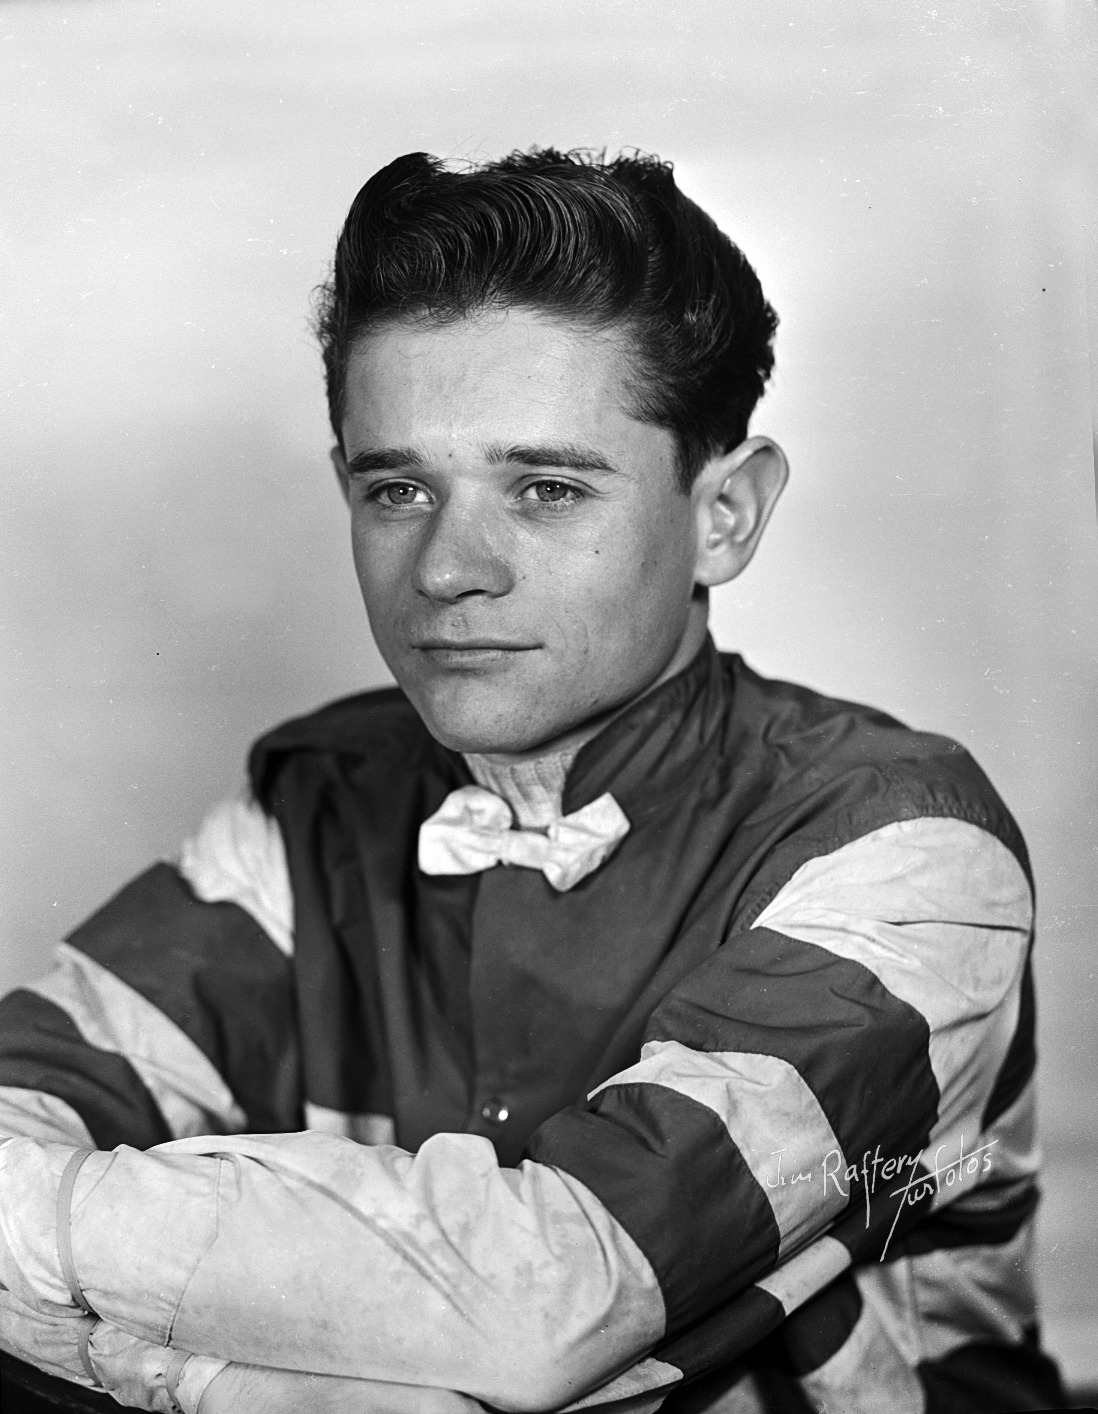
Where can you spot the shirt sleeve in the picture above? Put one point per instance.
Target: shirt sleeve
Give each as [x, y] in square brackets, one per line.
[866, 1017]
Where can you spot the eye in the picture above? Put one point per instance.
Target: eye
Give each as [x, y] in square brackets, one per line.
[398, 493]
[552, 493]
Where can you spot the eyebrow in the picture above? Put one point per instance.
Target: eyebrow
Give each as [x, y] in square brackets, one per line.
[384, 459]
[566, 456]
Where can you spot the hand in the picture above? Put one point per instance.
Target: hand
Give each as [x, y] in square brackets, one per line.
[50, 1342]
[134, 1371]
[252, 1389]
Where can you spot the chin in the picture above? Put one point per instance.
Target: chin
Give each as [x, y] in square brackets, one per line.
[482, 719]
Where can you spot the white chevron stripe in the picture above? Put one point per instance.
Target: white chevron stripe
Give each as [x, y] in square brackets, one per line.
[940, 912]
[36, 1115]
[772, 1117]
[111, 1015]
[238, 857]
[808, 1272]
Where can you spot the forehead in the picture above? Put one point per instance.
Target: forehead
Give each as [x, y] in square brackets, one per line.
[515, 375]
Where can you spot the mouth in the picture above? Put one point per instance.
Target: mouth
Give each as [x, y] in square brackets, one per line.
[472, 653]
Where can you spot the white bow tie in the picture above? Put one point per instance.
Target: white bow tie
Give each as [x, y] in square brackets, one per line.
[471, 831]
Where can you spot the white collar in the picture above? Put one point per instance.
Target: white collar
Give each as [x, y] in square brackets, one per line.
[534, 789]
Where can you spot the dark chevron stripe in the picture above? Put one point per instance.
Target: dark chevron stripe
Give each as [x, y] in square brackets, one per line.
[1006, 1379]
[724, 1334]
[862, 1051]
[42, 1049]
[1021, 1057]
[212, 970]
[665, 1167]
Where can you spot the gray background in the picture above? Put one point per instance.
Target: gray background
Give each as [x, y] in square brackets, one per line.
[911, 183]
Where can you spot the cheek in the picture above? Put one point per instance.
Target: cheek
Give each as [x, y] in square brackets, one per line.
[379, 574]
[648, 568]
[623, 599]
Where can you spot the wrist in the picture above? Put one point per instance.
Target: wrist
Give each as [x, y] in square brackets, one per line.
[194, 1378]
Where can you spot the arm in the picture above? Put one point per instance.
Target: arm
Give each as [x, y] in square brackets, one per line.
[871, 1006]
[145, 1031]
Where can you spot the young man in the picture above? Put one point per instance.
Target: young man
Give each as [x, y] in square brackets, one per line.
[589, 1019]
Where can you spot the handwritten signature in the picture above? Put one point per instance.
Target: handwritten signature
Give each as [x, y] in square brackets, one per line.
[919, 1185]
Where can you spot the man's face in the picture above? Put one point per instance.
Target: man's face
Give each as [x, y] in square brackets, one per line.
[525, 555]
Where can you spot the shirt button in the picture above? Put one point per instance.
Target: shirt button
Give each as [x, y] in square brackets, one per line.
[494, 1111]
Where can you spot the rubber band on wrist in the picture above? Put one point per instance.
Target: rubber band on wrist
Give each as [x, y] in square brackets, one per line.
[174, 1374]
[87, 1330]
[64, 1228]
[68, 1266]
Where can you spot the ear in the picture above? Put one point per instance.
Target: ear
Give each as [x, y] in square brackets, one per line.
[339, 461]
[733, 496]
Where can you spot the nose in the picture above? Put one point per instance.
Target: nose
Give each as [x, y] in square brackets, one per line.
[460, 556]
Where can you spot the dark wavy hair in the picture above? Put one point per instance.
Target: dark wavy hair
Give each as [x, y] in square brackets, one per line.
[600, 244]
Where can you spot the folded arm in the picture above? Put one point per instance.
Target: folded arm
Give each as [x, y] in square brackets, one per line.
[869, 1008]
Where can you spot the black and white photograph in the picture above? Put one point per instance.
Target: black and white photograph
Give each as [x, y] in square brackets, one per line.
[550, 677]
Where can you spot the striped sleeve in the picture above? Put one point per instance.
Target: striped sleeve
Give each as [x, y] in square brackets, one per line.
[941, 1305]
[848, 1041]
[169, 1013]
[940, 913]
